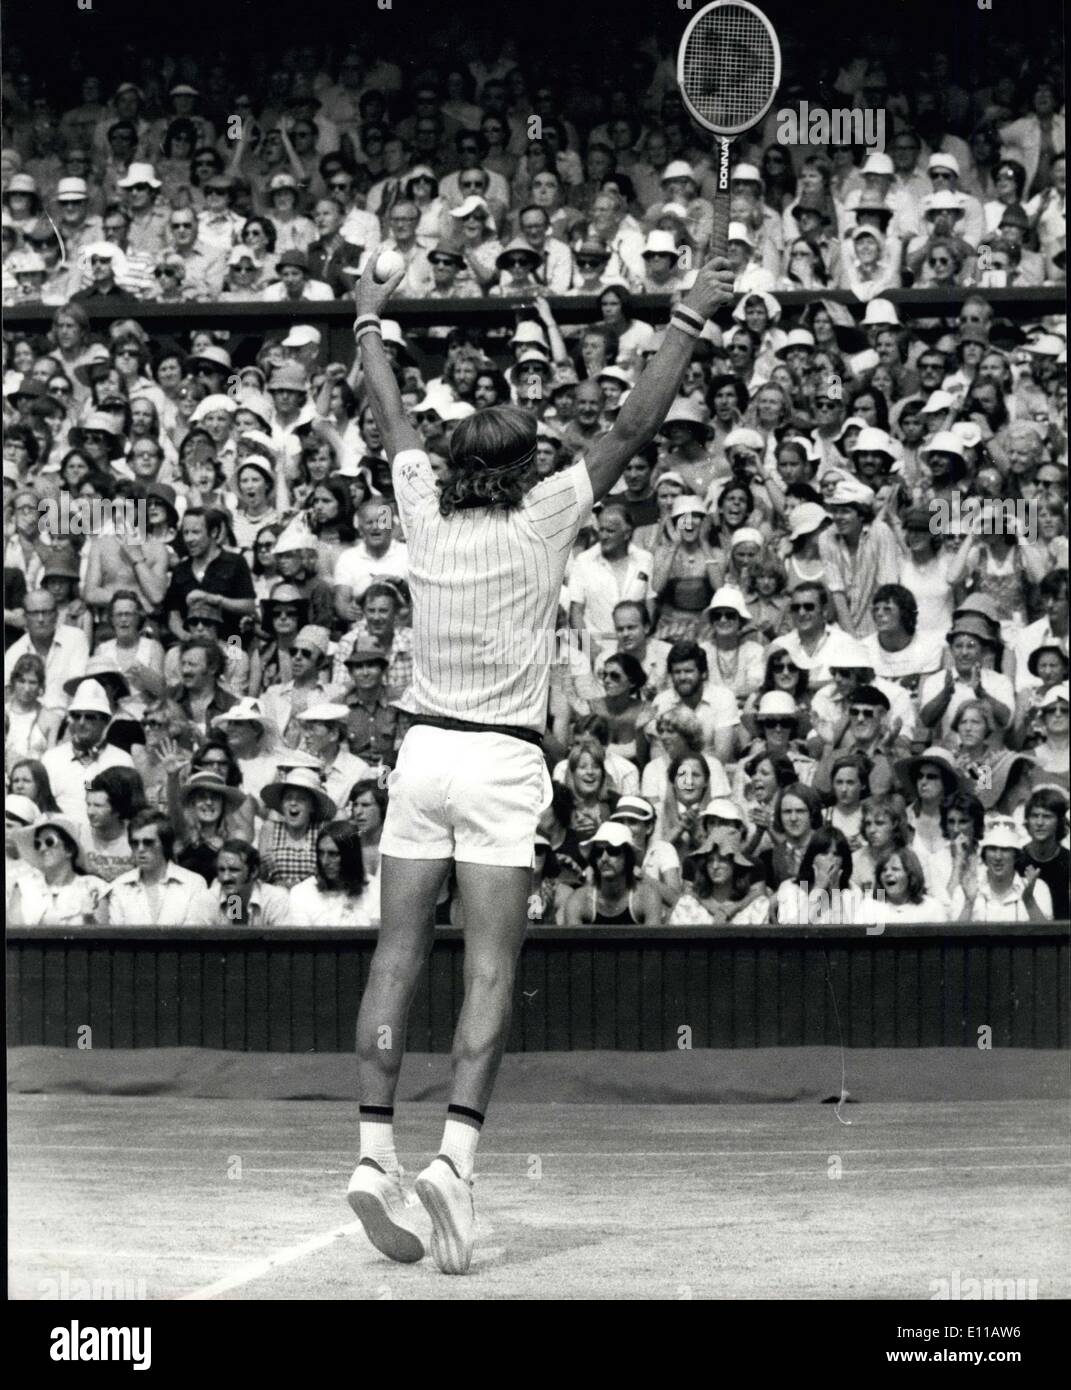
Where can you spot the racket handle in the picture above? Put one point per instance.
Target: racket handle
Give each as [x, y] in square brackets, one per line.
[719, 241]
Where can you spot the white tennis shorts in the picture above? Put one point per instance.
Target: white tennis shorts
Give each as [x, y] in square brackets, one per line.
[472, 797]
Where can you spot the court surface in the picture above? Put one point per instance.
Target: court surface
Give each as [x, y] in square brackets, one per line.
[574, 1201]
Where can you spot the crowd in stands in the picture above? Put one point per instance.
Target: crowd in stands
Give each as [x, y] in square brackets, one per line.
[812, 658]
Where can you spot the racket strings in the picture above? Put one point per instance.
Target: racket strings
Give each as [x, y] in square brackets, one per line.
[729, 67]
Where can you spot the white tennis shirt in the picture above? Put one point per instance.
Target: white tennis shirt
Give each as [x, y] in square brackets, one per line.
[485, 587]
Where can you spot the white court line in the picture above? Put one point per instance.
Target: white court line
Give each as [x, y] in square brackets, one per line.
[1017, 1146]
[256, 1269]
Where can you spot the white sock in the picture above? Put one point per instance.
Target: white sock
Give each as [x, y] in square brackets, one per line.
[459, 1145]
[377, 1143]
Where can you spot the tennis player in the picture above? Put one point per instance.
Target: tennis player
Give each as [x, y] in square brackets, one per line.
[488, 543]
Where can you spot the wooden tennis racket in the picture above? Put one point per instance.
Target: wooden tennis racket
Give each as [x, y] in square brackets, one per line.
[728, 71]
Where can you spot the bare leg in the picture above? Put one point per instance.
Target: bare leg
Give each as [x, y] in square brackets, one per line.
[495, 900]
[409, 890]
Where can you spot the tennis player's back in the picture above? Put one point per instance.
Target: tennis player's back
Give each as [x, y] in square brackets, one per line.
[486, 583]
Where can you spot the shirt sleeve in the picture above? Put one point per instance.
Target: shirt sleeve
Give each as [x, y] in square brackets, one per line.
[414, 483]
[557, 507]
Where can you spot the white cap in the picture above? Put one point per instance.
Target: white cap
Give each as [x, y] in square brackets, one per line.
[729, 597]
[324, 713]
[938, 402]
[777, 704]
[302, 335]
[139, 173]
[679, 169]
[745, 173]
[473, 203]
[71, 190]
[943, 442]
[940, 159]
[90, 698]
[873, 441]
[739, 232]
[878, 163]
[880, 311]
[609, 833]
[660, 244]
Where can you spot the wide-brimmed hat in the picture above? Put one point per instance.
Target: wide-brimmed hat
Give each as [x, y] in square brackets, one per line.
[327, 712]
[609, 833]
[214, 356]
[722, 808]
[1034, 659]
[291, 376]
[304, 779]
[660, 243]
[209, 782]
[729, 597]
[850, 492]
[797, 338]
[89, 697]
[517, 247]
[907, 770]
[139, 173]
[807, 518]
[871, 440]
[1055, 695]
[634, 808]
[944, 442]
[688, 412]
[744, 437]
[98, 422]
[95, 667]
[998, 834]
[25, 838]
[972, 625]
[247, 711]
[473, 203]
[314, 636]
[61, 563]
[716, 840]
[776, 704]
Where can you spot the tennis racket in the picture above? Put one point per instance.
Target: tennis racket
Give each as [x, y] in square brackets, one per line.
[728, 70]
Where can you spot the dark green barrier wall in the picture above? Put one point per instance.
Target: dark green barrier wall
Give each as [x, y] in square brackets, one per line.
[764, 987]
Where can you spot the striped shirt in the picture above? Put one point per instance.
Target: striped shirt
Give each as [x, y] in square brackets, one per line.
[485, 586]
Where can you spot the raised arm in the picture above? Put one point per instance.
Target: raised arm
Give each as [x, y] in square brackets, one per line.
[383, 394]
[642, 414]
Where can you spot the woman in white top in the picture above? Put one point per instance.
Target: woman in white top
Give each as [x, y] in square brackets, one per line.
[720, 891]
[337, 896]
[823, 894]
[29, 728]
[64, 895]
[901, 882]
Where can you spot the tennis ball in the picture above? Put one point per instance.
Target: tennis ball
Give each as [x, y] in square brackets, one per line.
[388, 264]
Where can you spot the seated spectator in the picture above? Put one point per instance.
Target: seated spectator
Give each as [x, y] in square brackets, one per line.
[236, 896]
[617, 895]
[157, 891]
[337, 891]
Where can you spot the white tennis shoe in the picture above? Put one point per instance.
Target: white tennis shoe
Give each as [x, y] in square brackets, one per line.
[379, 1202]
[448, 1199]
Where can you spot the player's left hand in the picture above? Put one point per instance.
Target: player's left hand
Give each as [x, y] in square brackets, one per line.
[369, 295]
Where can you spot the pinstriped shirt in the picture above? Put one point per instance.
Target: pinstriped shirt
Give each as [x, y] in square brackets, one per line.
[485, 586]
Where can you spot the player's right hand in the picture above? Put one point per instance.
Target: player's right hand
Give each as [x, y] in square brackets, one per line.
[713, 287]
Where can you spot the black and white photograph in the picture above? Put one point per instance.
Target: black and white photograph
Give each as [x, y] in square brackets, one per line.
[536, 664]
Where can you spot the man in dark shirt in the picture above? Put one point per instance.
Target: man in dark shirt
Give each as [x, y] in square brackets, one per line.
[372, 726]
[209, 569]
[1046, 824]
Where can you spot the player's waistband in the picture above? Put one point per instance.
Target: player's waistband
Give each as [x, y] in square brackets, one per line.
[464, 726]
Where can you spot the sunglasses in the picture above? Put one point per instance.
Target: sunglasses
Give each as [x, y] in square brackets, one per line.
[782, 666]
[515, 262]
[804, 608]
[939, 260]
[441, 260]
[862, 712]
[144, 844]
[611, 852]
[41, 842]
[84, 716]
[825, 405]
[590, 262]
[725, 615]
[180, 226]
[304, 651]
[779, 723]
